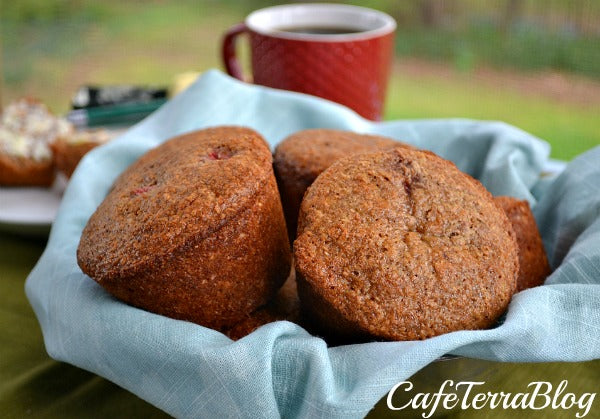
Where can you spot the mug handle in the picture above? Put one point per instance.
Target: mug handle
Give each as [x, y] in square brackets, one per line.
[230, 60]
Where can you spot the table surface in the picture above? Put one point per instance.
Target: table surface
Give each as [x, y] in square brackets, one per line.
[34, 385]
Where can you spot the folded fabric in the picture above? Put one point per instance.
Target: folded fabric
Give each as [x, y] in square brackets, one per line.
[280, 369]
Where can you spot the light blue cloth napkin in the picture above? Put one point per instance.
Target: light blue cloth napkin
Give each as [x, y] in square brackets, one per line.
[280, 369]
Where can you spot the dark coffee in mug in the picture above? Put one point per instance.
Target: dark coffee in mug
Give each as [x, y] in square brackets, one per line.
[319, 30]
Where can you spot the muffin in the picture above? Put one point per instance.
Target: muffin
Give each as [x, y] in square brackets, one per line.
[27, 131]
[70, 149]
[533, 262]
[401, 245]
[302, 156]
[193, 230]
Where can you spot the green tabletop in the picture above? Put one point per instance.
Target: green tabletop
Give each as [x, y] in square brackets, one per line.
[31, 383]
[34, 385]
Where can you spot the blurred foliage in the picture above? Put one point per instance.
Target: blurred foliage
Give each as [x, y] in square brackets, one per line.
[526, 48]
[50, 47]
[35, 11]
[528, 34]
[34, 33]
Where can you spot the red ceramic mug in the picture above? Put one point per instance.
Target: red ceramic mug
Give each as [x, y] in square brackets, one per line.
[338, 52]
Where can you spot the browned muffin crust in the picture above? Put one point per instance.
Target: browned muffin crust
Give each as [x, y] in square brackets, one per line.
[533, 262]
[401, 245]
[192, 230]
[284, 306]
[21, 171]
[67, 156]
[302, 156]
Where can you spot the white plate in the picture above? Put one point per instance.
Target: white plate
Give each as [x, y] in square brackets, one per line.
[30, 210]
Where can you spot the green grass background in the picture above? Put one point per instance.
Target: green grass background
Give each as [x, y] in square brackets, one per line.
[569, 129]
[51, 47]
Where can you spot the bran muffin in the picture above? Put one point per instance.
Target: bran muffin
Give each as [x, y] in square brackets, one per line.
[193, 230]
[302, 156]
[401, 245]
[18, 171]
[27, 131]
[533, 262]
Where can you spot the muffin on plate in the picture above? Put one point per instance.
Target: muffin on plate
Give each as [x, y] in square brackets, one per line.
[302, 156]
[27, 131]
[70, 149]
[192, 230]
[533, 262]
[401, 245]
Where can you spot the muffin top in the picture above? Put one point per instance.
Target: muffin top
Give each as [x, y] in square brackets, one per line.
[405, 246]
[312, 151]
[28, 129]
[173, 196]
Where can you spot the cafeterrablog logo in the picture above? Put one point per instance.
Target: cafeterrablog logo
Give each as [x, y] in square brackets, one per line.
[465, 395]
